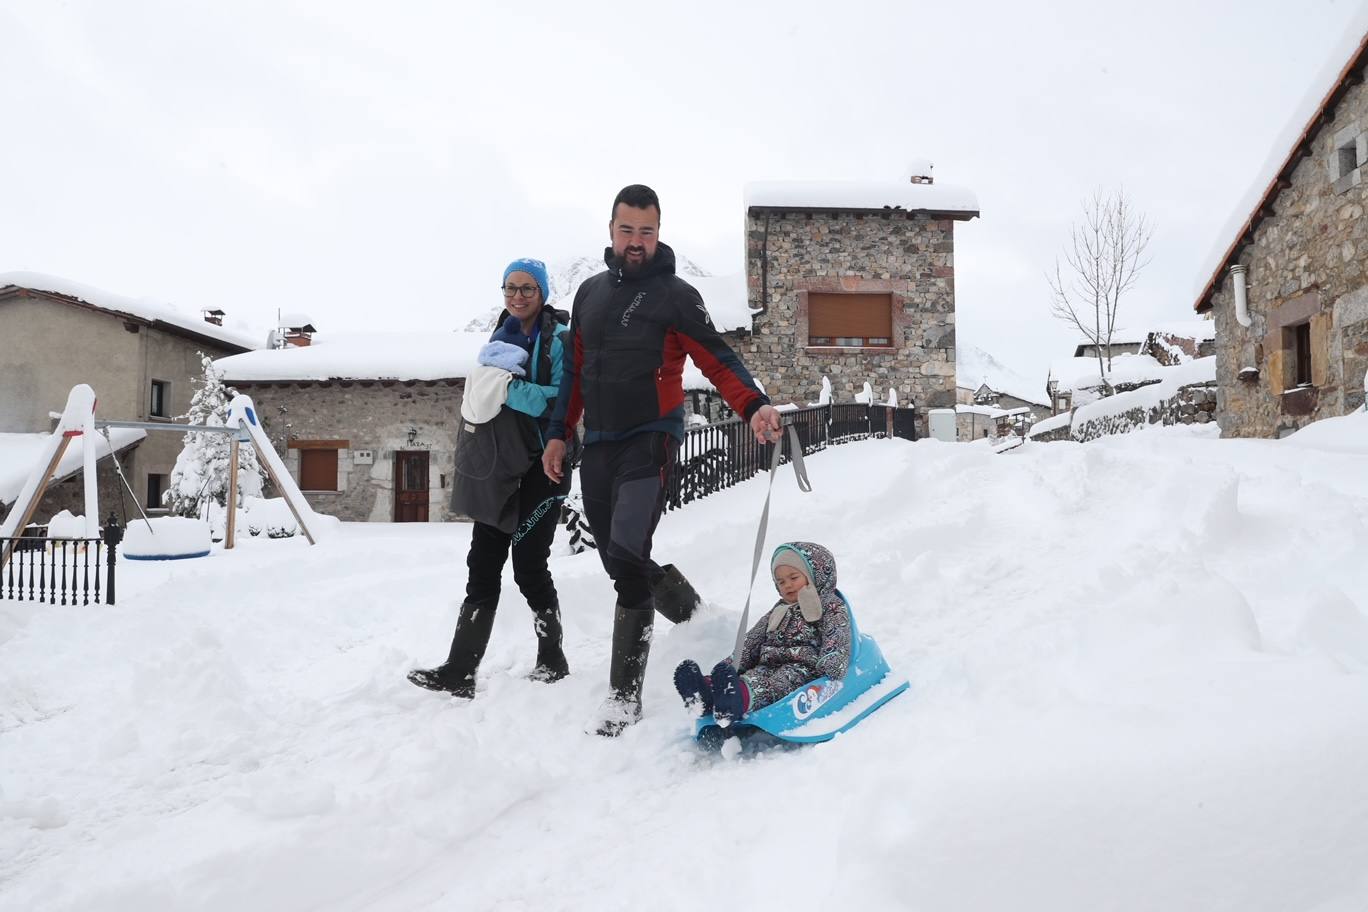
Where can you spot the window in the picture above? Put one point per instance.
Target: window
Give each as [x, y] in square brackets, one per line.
[1301, 353]
[156, 486]
[850, 320]
[1348, 157]
[318, 470]
[1348, 151]
[160, 399]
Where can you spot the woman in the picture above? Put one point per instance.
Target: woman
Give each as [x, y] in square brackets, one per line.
[500, 483]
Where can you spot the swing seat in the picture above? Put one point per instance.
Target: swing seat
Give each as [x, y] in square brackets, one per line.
[821, 709]
[166, 538]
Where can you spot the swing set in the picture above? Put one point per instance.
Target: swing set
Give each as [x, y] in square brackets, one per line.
[78, 420]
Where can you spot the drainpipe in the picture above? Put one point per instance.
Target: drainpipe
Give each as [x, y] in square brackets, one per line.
[1237, 278]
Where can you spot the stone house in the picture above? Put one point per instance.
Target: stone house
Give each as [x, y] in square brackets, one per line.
[855, 282]
[366, 424]
[1288, 288]
[139, 356]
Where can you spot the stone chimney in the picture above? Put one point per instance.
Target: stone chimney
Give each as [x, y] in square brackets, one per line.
[298, 329]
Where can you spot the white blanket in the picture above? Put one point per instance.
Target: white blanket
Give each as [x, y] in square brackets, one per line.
[486, 390]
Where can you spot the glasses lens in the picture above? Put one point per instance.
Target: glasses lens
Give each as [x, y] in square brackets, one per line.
[526, 291]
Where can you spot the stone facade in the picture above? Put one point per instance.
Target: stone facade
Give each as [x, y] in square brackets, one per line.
[909, 255]
[379, 417]
[1305, 261]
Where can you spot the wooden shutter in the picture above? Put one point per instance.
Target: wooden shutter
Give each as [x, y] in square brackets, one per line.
[860, 316]
[318, 470]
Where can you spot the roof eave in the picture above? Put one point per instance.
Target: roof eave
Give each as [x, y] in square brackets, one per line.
[164, 326]
[1350, 75]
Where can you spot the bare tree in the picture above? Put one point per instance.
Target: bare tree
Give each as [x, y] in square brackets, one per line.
[1106, 252]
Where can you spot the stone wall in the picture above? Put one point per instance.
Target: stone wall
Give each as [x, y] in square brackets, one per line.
[1062, 432]
[382, 417]
[1192, 404]
[1305, 265]
[907, 255]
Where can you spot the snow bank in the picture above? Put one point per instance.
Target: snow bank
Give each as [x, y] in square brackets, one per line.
[144, 308]
[1345, 434]
[65, 524]
[1137, 682]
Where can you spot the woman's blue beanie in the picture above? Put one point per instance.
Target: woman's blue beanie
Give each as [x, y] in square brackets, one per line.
[536, 269]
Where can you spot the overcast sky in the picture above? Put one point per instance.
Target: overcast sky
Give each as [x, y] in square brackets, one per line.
[377, 167]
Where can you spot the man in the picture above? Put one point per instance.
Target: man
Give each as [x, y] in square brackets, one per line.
[631, 328]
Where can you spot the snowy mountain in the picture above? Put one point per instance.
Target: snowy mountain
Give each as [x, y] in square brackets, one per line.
[974, 367]
[725, 295]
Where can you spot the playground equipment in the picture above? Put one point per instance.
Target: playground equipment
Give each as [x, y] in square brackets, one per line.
[78, 420]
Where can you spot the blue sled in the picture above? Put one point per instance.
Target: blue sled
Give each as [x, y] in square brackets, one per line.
[821, 709]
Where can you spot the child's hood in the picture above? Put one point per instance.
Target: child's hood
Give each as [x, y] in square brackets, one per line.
[821, 570]
[820, 563]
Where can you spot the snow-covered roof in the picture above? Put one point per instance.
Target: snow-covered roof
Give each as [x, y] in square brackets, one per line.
[1079, 373]
[989, 411]
[862, 195]
[19, 452]
[1292, 144]
[379, 356]
[1119, 337]
[974, 367]
[152, 311]
[361, 356]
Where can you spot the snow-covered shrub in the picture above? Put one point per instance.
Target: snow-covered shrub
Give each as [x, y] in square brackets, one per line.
[200, 477]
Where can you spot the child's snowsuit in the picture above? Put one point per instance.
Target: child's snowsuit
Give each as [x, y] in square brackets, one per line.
[785, 650]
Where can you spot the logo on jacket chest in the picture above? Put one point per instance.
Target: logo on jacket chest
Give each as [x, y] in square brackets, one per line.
[631, 308]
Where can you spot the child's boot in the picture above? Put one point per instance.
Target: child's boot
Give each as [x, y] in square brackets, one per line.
[731, 697]
[694, 689]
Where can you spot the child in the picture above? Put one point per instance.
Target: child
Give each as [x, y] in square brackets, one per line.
[805, 636]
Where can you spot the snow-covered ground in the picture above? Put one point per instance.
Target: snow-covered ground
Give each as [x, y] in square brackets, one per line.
[1138, 676]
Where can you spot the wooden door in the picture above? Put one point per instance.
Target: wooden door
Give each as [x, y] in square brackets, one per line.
[411, 486]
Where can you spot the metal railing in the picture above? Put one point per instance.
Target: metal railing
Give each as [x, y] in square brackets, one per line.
[60, 571]
[717, 456]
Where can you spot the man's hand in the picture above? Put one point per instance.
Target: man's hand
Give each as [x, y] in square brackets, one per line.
[553, 458]
[766, 424]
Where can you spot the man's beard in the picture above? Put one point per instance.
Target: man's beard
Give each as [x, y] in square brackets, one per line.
[632, 269]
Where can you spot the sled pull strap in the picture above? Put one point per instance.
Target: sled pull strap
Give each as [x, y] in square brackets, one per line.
[800, 473]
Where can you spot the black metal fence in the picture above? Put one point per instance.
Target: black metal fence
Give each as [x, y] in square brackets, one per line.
[60, 571]
[717, 456]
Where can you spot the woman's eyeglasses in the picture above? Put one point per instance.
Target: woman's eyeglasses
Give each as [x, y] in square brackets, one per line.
[527, 291]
